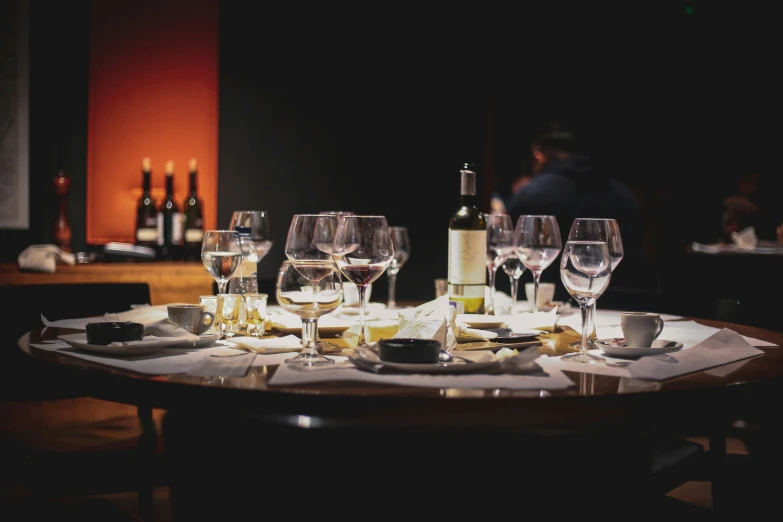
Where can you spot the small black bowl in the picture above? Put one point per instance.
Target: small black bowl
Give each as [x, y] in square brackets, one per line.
[409, 350]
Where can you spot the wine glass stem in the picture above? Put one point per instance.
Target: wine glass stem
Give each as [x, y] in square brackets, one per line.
[536, 277]
[392, 301]
[309, 328]
[362, 293]
[590, 340]
[585, 309]
[514, 287]
[491, 303]
[222, 286]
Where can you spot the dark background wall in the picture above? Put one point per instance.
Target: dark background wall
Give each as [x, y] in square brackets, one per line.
[372, 110]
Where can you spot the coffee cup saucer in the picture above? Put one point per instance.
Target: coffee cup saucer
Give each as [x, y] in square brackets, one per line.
[617, 346]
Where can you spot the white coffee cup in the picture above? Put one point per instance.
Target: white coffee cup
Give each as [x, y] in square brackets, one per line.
[640, 328]
[192, 317]
[351, 294]
[546, 292]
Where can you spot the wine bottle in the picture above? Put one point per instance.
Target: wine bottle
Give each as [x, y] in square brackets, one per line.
[146, 213]
[467, 249]
[169, 219]
[193, 217]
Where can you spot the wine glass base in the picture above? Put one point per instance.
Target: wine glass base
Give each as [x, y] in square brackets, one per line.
[585, 358]
[309, 359]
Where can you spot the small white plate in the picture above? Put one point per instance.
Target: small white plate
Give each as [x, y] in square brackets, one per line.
[617, 346]
[481, 321]
[142, 347]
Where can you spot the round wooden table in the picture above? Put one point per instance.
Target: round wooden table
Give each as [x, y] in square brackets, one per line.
[352, 435]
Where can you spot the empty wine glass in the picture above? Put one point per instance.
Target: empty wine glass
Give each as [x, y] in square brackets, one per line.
[585, 269]
[297, 293]
[402, 251]
[500, 243]
[366, 250]
[537, 244]
[514, 269]
[601, 230]
[221, 254]
[260, 229]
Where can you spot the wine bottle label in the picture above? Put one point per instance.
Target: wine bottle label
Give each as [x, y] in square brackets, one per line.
[194, 235]
[247, 269]
[147, 234]
[160, 229]
[176, 228]
[468, 257]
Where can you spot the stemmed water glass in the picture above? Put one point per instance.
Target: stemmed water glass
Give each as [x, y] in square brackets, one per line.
[514, 269]
[260, 229]
[402, 251]
[585, 269]
[601, 230]
[221, 254]
[500, 243]
[537, 243]
[299, 294]
[366, 250]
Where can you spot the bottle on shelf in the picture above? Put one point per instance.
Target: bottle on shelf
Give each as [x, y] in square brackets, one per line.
[146, 212]
[467, 269]
[245, 279]
[193, 217]
[169, 220]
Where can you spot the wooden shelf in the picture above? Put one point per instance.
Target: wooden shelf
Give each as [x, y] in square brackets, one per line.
[169, 281]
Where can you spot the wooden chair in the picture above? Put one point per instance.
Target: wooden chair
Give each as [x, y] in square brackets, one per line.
[59, 442]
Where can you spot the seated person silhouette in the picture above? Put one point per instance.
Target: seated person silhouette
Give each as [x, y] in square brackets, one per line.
[565, 184]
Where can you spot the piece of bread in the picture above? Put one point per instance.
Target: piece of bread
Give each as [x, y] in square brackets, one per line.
[104, 333]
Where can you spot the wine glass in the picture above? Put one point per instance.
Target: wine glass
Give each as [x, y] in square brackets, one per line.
[500, 243]
[601, 230]
[366, 250]
[402, 251]
[585, 269]
[260, 229]
[297, 293]
[537, 243]
[221, 254]
[514, 269]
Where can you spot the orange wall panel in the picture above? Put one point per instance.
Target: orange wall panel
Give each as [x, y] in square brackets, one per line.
[153, 92]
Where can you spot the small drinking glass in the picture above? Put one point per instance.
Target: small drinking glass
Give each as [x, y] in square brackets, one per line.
[500, 243]
[402, 251]
[229, 314]
[309, 289]
[585, 269]
[255, 309]
[214, 304]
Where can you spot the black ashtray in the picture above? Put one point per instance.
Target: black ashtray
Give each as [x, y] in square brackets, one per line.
[409, 350]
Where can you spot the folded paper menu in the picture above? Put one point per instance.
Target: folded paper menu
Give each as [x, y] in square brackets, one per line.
[724, 347]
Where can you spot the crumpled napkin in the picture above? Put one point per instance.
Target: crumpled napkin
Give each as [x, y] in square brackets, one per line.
[463, 332]
[745, 239]
[165, 328]
[427, 321]
[288, 343]
[43, 258]
[523, 322]
[146, 315]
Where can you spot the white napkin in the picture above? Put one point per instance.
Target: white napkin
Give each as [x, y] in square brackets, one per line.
[427, 321]
[534, 320]
[723, 347]
[146, 315]
[745, 239]
[43, 258]
[289, 343]
[463, 332]
[287, 320]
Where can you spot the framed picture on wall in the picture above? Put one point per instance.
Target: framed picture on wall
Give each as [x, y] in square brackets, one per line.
[14, 112]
